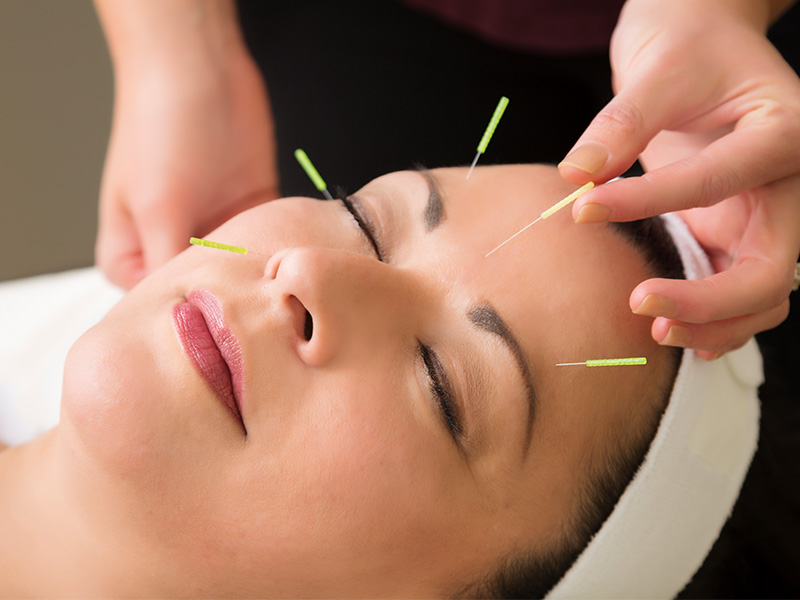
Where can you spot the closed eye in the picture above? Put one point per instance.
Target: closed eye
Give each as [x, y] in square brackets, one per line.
[354, 208]
[442, 391]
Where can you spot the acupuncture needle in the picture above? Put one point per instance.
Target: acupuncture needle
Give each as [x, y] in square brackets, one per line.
[312, 173]
[548, 213]
[487, 135]
[608, 362]
[209, 244]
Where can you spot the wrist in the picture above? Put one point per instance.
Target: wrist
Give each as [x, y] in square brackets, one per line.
[755, 14]
[186, 36]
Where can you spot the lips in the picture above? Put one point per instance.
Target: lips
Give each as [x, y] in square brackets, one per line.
[212, 347]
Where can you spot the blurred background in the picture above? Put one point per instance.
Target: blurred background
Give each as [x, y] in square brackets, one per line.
[55, 117]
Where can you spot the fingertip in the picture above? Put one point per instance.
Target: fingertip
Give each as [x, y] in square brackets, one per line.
[653, 305]
[660, 328]
[585, 160]
[637, 296]
[573, 174]
[125, 274]
[677, 335]
[591, 213]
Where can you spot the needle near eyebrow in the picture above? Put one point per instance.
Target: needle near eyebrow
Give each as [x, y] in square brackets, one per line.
[548, 213]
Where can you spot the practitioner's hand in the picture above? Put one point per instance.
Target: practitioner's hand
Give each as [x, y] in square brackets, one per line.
[188, 150]
[714, 112]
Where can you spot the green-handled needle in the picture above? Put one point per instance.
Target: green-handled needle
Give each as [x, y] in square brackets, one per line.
[487, 135]
[312, 173]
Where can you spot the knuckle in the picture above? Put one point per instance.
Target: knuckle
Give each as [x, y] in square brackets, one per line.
[776, 296]
[621, 117]
[705, 311]
[781, 313]
[717, 183]
[734, 344]
[777, 286]
[714, 342]
[776, 115]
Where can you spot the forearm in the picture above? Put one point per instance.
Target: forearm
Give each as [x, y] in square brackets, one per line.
[187, 34]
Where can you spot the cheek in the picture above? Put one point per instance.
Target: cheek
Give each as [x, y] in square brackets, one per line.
[350, 441]
[355, 471]
[286, 223]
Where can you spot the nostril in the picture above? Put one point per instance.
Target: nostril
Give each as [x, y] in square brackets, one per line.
[308, 328]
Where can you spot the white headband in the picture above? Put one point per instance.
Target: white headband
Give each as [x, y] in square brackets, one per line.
[672, 511]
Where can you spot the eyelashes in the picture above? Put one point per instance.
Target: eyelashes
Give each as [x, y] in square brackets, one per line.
[441, 390]
[439, 385]
[363, 223]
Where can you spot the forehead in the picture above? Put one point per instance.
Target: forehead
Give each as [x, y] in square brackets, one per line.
[579, 275]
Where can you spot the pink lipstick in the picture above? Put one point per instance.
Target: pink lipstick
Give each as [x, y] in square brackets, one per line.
[212, 347]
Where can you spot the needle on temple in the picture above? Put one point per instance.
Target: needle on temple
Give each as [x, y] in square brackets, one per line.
[608, 362]
[312, 173]
[487, 135]
[546, 214]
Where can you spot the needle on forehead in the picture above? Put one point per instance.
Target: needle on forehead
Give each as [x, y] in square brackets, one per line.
[487, 135]
[608, 362]
[312, 173]
[546, 214]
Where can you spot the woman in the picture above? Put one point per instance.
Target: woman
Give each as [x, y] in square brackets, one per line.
[368, 407]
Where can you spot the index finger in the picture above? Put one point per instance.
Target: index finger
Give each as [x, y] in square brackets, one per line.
[759, 152]
[751, 286]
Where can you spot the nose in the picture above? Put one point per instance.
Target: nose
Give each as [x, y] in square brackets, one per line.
[341, 302]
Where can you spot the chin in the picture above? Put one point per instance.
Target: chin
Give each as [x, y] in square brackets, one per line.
[112, 402]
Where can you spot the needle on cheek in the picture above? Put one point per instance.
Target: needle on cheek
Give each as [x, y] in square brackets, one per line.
[217, 245]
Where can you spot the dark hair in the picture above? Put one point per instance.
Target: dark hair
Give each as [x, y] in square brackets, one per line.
[531, 574]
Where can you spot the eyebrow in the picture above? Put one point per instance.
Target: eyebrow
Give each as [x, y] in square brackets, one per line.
[485, 317]
[434, 209]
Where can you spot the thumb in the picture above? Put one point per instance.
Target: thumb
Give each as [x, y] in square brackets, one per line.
[118, 251]
[615, 138]
[164, 236]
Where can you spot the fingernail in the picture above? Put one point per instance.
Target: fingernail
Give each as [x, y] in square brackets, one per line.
[713, 356]
[589, 158]
[677, 336]
[593, 213]
[656, 306]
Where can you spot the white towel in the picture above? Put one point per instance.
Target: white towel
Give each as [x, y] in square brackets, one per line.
[40, 319]
[669, 516]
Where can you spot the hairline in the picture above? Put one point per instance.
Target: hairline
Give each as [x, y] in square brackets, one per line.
[610, 476]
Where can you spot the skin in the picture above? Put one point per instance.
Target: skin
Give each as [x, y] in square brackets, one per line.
[347, 481]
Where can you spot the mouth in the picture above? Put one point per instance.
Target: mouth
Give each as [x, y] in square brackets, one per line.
[212, 348]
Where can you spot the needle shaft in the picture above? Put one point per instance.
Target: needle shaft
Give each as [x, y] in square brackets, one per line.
[512, 237]
[548, 213]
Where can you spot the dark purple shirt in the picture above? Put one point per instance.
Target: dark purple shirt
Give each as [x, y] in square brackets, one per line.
[561, 26]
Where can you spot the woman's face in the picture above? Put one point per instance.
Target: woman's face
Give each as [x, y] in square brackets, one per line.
[403, 424]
